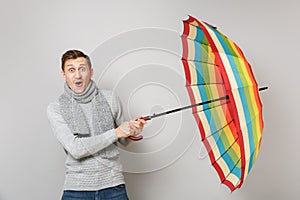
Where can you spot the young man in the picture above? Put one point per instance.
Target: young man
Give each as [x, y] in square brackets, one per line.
[84, 120]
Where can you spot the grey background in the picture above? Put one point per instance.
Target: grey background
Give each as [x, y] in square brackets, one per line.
[170, 163]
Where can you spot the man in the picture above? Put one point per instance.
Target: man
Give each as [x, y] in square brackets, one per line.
[84, 120]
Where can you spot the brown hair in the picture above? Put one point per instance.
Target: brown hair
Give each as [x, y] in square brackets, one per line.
[73, 54]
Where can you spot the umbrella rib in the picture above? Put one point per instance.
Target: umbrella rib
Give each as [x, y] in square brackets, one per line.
[234, 164]
[203, 84]
[228, 101]
[214, 27]
[200, 43]
[226, 150]
[199, 61]
[239, 160]
[190, 24]
[192, 40]
[219, 129]
[222, 128]
[235, 141]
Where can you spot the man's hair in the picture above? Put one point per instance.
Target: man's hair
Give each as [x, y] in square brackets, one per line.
[73, 54]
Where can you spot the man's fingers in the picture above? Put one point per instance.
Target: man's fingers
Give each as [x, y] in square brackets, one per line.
[140, 119]
[135, 124]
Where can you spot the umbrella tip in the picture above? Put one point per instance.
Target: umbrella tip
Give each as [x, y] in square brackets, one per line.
[263, 88]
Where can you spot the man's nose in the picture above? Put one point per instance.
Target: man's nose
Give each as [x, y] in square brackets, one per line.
[77, 74]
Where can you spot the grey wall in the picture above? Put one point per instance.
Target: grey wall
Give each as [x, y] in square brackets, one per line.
[136, 49]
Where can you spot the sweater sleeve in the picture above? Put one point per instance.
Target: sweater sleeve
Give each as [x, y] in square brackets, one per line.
[76, 146]
[117, 111]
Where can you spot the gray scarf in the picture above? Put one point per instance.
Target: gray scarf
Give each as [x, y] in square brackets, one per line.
[75, 118]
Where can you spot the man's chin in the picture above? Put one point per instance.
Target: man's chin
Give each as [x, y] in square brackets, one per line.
[78, 90]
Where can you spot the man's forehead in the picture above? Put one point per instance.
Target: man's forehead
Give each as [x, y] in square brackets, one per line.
[76, 62]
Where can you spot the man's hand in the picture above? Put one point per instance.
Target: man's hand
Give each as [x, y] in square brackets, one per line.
[137, 125]
[130, 128]
[124, 130]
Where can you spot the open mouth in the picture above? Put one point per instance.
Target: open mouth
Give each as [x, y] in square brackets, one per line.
[78, 83]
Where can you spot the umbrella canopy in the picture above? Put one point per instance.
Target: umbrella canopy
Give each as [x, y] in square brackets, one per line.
[231, 128]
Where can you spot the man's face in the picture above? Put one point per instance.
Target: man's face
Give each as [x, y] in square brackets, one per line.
[77, 74]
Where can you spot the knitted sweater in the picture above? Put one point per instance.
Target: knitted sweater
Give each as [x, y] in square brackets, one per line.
[85, 168]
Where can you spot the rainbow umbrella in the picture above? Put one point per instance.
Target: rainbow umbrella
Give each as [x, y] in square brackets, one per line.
[231, 128]
[224, 99]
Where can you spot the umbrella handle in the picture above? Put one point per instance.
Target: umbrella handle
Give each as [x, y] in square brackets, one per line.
[139, 137]
[136, 138]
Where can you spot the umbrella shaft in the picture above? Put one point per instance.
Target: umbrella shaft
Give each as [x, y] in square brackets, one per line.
[185, 107]
[191, 106]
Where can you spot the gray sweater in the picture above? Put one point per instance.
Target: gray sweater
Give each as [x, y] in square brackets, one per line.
[85, 169]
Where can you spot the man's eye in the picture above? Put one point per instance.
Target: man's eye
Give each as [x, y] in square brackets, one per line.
[82, 69]
[71, 70]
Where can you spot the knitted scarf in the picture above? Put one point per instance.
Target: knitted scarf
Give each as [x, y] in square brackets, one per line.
[101, 114]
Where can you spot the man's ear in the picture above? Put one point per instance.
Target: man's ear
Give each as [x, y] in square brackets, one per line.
[92, 72]
[63, 75]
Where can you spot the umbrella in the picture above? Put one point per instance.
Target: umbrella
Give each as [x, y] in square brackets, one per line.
[231, 129]
[224, 99]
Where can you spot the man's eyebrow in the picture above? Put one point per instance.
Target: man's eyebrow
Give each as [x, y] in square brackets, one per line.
[69, 65]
